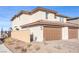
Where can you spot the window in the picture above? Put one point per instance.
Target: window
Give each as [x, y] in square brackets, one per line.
[46, 15]
[55, 16]
[61, 19]
[41, 28]
[16, 28]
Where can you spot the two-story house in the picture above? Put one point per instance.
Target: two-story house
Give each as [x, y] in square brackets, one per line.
[44, 25]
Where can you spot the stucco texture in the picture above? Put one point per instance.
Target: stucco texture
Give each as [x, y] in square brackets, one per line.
[21, 35]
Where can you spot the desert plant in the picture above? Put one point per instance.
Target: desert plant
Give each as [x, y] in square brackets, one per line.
[8, 40]
[45, 43]
[57, 47]
[28, 45]
[17, 47]
[23, 50]
[37, 48]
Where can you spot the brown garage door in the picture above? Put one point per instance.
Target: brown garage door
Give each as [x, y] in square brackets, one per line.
[73, 33]
[52, 33]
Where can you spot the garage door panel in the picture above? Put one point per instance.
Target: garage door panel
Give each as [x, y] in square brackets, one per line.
[52, 33]
[73, 33]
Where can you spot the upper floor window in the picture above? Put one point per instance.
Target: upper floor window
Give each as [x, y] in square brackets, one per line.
[46, 15]
[61, 19]
[55, 16]
[16, 28]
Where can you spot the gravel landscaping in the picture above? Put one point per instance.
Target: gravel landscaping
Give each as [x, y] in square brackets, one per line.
[55, 46]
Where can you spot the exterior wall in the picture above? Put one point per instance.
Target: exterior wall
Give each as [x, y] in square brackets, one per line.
[14, 23]
[64, 33]
[24, 19]
[40, 15]
[78, 33]
[51, 17]
[74, 21]
[21, 20]
[57, 18]
[21, 35]
[37, 32]
[63, 20]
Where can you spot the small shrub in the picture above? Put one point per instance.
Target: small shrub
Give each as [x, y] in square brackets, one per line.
[57, 47]
[37, 48]
[17, 47]
[24, 50]
[10, 43]
[17, 40]
[45, 43]
[8, 40]
[28, 45]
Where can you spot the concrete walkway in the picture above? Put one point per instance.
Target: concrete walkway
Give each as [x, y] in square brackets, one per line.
[3, 48]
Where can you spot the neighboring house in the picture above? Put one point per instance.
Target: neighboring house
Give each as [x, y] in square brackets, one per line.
[74, 20]
[44, 25]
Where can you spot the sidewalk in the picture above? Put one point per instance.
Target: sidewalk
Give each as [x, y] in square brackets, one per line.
[3, 48]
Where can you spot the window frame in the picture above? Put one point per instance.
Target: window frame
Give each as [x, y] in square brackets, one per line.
[61, 19]
[55, 16]
[46, 15]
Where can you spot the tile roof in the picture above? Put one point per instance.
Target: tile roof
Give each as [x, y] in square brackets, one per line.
[73, 18]
[49, 23]
[35, 10]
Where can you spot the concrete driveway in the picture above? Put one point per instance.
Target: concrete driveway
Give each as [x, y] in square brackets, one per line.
[3, 48]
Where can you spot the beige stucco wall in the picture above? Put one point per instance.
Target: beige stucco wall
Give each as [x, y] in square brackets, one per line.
[64, 33]
[24, 19]
[14, 23]
[37, 32]
[63, 20]
[51, 17]
[21, 35]
[21, 20]
[40, 15]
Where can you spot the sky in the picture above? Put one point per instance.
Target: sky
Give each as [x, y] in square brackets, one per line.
[7, 12]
